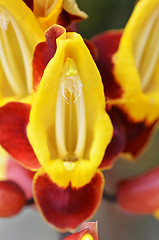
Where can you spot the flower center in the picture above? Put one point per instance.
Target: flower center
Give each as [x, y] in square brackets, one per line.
[70, 121]
[147, 52]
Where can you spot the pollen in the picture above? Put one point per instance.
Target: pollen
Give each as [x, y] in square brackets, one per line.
[4, 20]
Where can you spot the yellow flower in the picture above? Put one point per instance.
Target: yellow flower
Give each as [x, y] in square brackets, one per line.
[136, 63]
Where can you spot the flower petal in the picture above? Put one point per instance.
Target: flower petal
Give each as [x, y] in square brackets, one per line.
[85, 143]
[12, 199]
[137, 133]
[19, 34]
[107, 44]
[140, 195]
[62, 12]
[21, 176]
[29, 3]
[14, 118]
[117, 144]
[70, 13]
[136, 63]
[44, 52]
[66, 208]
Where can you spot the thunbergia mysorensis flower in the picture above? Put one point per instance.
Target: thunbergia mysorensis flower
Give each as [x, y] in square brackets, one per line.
[57, 11]
[19, 34]
[136, 63]
[68, 130]
[140, 195]
[128, 62]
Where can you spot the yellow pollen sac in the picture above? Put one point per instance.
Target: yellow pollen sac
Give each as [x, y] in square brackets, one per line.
[70, 124]
[87, 237]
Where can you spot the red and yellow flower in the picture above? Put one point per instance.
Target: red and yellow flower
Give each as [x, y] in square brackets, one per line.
[128, 63]
[62, 12]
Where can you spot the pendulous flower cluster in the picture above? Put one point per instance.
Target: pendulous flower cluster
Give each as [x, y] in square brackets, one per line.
[69, 107]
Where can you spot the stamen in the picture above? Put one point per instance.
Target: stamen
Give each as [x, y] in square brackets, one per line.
[59, 126]
[81, 120]
[4, 20]
[70, 118]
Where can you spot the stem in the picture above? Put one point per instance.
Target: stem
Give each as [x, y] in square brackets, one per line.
[109, 197]
[63, 235]
[30, 202]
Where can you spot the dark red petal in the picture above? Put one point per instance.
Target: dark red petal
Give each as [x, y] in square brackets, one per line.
[29, 3]
[117, 144]
[140, 195]
[14, 118]
[107, 44]
[44, 52]
[65, 19]
[21, 176]
[138, 136]
[93, 227]
[12, 199]
[137, 133]
[67, 208]
[78, 235]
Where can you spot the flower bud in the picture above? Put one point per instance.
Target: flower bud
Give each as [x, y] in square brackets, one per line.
[12, 199]
[140, 195]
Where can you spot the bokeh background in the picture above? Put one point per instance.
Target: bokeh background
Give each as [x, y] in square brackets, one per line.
[113, 223]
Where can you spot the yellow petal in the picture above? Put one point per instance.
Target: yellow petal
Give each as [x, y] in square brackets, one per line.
[137, 62]
[19, 34]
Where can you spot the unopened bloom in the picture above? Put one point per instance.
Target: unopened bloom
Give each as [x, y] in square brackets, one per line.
[140, 195]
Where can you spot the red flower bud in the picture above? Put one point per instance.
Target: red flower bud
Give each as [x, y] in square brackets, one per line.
[140, 195]
[12, 199]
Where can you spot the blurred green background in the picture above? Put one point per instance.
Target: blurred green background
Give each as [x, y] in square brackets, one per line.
[104, 15]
